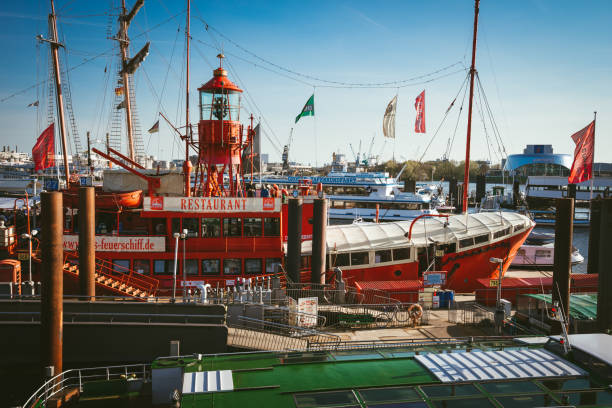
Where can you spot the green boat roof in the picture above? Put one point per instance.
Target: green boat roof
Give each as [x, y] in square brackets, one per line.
[583, 306]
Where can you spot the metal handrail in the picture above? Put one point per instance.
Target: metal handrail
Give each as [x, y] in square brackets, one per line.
[77, 377]
[113, 316]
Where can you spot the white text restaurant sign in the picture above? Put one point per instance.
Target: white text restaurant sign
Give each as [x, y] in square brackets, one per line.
[120, 244]
[212, 204]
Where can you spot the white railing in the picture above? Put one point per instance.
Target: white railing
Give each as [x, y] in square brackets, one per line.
[75, 378]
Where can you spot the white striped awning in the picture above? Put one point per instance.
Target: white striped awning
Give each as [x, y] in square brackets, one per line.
[207, 381]
[497, 365]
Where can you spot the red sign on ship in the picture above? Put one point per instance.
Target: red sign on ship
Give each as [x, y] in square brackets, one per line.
[268, 204]
[157, 203]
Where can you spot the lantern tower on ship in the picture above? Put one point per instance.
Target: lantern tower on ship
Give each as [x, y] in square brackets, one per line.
[220, 136]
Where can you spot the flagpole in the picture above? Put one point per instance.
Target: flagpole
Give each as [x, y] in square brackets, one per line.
[593, 163]
[314, 129]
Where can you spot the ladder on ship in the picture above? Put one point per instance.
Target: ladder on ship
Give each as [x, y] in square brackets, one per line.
[115, 279]
[110, 278]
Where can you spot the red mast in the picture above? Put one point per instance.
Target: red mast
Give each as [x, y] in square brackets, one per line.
[466, 176]
[187, 165]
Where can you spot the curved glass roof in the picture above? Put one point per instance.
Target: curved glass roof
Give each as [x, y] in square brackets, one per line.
[518, 160]
[374, 236]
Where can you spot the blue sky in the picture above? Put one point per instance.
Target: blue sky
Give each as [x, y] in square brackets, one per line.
[545, 66]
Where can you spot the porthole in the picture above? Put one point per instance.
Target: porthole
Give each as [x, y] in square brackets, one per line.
[397, 273]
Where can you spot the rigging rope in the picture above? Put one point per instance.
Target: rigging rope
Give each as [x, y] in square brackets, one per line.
[395, 84]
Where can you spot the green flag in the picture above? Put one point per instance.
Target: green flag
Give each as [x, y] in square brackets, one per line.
[308, 109]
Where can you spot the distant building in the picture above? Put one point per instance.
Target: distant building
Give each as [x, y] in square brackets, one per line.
[264, 158]
[538, 160]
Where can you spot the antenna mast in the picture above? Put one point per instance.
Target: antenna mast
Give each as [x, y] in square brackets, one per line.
[187, 165]
[466, 176]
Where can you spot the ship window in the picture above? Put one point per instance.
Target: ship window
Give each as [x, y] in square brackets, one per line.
[271, 264]
[466, 242]
[326, 399]
[210, 266]
[176, 225]
[401, 253]
[159, 226]
[360, 258]
[374, 395]
[464, 403]
[252, 266]
[450, 390]
[106, 223]
[163, 267]
[232, 266]
[191, 225]
[232, 227]
[121, 265]
[481, 238]
[518, 227]
[211, 227]
[382, 256]
[542, 253]
[252, 227]
[272, 227]
[142, 266]
[191, 266]
[342, 260]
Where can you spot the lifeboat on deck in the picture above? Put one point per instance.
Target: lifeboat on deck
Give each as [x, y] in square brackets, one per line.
[106, 199]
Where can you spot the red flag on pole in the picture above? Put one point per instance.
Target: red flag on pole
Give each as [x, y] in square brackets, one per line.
[582, 168]
[43, 151]
[419, 105]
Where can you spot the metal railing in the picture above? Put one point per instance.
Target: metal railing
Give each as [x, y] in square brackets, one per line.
[470, 313]
[249, 333]
[111, 317]
[75, 379]
[369, 316]
[407, 342]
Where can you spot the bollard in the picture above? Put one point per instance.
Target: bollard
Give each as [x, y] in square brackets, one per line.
[604, 301]
[594, 234]
[564, 231]
[87, 243]
[481, 187]
[294, 239]
[319, 245]
[51, 302]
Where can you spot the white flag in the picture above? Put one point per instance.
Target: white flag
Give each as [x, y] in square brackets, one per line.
[389, 119]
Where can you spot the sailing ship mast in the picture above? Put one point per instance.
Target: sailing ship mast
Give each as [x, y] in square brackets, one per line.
[466, 175]
[124, 45]
[55, 44]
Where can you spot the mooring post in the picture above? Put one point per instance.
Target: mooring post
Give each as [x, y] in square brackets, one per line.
[294, 239]
[516, 193]
[87, 243]
[564, 232]
[452, 191]
[51, 313]
[604, 295]
[481, 187]
[319, 246]
[594, 235]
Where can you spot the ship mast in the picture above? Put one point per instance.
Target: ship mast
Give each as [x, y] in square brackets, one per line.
[187, 164]
[466, 176]
[124, 44]
[55, 44]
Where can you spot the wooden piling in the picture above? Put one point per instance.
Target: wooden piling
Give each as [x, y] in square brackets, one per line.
[604, 296]
[564, 232]
[87, 243]
[51, 314]
[294, 239]
[594, 234]
[319, 228]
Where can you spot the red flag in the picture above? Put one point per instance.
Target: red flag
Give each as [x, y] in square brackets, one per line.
[419, 104]
[582, 168]
[43, 151]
